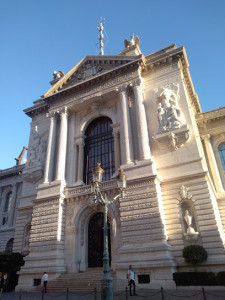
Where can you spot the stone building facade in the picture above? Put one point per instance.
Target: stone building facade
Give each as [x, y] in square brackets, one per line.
[141, 114]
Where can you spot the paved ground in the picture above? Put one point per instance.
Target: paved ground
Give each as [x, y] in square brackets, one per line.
[142, 295]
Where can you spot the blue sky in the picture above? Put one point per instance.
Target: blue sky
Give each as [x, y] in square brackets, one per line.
[40, 36]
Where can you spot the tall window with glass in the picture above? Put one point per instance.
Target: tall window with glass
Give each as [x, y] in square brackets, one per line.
[99, 147]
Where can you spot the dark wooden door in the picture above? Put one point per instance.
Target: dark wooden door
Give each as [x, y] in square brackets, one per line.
[95, 241]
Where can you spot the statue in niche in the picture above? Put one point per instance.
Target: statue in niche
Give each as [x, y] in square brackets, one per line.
[168, 113]
[188, 220]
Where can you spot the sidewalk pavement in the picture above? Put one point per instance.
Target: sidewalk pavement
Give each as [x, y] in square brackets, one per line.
[142, 294]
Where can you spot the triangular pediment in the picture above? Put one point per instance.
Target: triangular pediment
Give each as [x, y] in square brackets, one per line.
[89, 68]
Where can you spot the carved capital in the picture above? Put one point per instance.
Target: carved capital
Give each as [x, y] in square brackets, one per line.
[51, 114]
[121, 89]
[206, 137]
[63, 112]
[79, 139]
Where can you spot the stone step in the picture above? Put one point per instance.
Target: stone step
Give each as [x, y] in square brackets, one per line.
[85, 281]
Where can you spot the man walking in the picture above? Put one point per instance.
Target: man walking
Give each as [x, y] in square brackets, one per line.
[131, 279]
[45, 281]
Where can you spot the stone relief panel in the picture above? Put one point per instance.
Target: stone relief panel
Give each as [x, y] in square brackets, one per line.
[168, 112]
[172, 130]
[36, 156]
[37, 152]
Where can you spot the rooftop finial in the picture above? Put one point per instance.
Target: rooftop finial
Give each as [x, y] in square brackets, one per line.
[101, 36]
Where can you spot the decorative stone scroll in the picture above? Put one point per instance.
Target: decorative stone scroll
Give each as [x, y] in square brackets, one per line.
[172, 131]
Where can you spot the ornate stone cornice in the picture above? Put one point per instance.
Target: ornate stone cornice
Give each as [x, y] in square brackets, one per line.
[39, 107]
[210, 116]
[211, 122]
[17, 170]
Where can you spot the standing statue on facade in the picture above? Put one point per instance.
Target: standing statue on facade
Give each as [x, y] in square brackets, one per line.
[132, 42]
[188, 220]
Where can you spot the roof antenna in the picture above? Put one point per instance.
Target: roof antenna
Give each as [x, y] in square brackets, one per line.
[101, 36]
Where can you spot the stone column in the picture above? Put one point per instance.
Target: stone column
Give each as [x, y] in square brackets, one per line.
[117, 154]
[72, 152]
[126, 145]
[50, 155]
[12, 206]
[142, 129]
[80, 163]
[61, 161]
[213, 164]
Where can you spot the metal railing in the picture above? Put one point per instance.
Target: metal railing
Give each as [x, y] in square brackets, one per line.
[143, 294]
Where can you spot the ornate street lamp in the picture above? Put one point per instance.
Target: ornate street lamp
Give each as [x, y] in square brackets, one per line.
[99, 198]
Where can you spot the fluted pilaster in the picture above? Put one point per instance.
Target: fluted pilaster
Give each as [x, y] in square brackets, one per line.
[50, 155]
[80, 145]
[213, 164]
[142, 129]
[61, 161]
[125, 128]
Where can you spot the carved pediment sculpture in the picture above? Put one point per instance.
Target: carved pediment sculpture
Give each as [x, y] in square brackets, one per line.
[172, 131]
[92, 67]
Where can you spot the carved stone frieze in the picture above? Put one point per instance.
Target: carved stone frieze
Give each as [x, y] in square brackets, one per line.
[142, 216]
[50, 220]
[144, 183]
[139, 196]
[141, 227]
[43, 238]
[43, 230]
[143, 238]
[44, 203]
[95, 91]
[45, 213]
[139, 206]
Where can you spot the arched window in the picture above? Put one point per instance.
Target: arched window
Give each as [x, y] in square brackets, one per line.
[99, 147]
[8, 202]
[222, 154]
[9, 245]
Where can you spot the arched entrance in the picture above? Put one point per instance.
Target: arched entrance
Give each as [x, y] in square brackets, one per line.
[95, 241]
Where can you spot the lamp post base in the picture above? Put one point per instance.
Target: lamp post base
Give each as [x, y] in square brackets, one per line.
[107, 287]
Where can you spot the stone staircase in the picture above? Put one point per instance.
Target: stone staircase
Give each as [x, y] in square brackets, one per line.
[85, 281]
